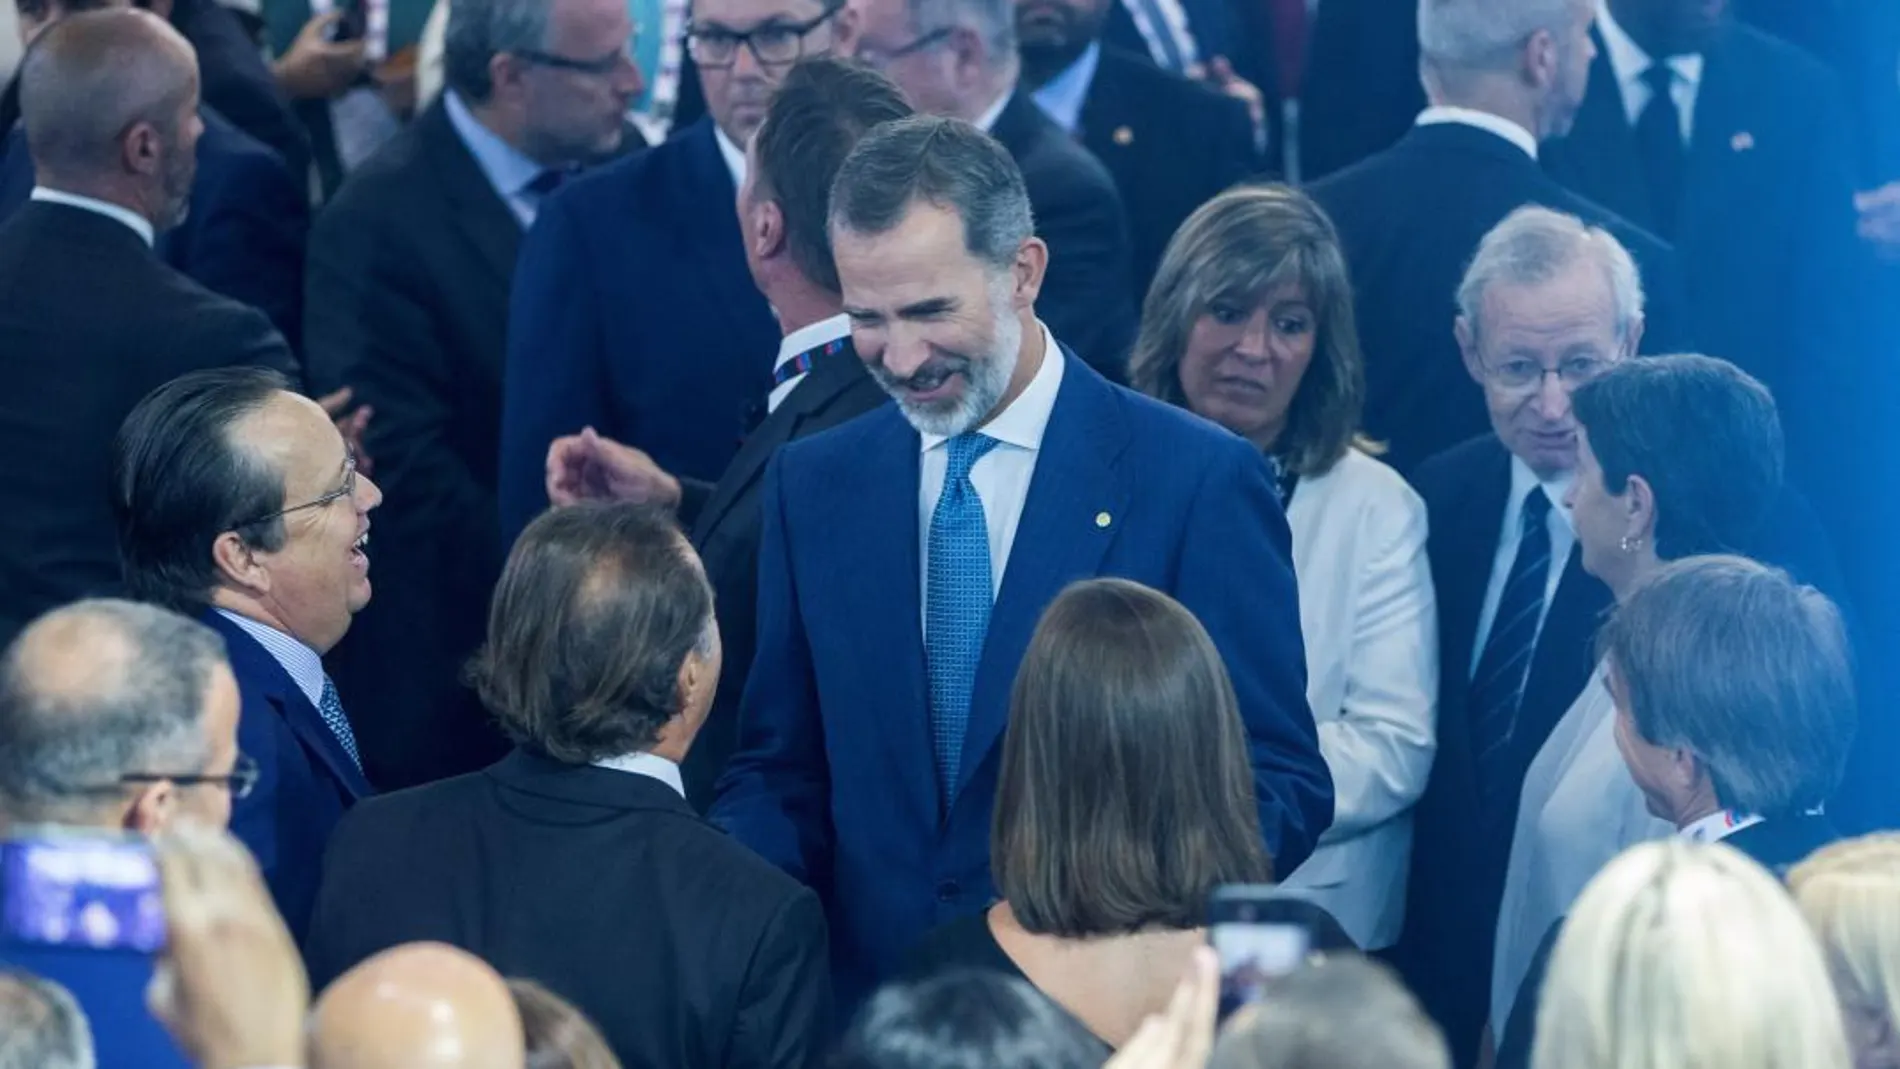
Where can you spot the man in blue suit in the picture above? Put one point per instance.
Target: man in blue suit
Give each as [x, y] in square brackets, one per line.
[907, 555]
[239, 502]
[633, 311]
[115, 718]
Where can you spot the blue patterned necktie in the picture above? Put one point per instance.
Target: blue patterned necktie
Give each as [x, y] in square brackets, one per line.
[957, 598]
[331, 709]
[1497, 686]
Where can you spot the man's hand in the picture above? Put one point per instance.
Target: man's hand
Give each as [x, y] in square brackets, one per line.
[1880, 220]
[1183, 1036]
[230, 987]
[317, 68]
[1220, 75]
[350, 423]
[587, 467]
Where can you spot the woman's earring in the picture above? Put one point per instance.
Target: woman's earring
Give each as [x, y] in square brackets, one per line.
[1628, 545]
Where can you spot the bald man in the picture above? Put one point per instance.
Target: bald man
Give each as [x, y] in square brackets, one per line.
[90, 319]
[417, 1006]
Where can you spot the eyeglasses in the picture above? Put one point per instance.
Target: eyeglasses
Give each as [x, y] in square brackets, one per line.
[599, 68]
[774, 44]
[880, 60]
[1525, 375]
[240, 781]
[348, 489]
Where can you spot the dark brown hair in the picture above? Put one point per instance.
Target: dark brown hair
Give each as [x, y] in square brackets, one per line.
[817, 116]
[1125, 794]
[557, 1035]
[596, 611]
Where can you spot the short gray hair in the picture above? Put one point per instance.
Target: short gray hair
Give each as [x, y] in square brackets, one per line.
[94, 691]
[1484, 35]
[93, 76]
[41, 1026]
[1340, 1011]
[994, 20]
[1746, 668]
[1534, 245]
[944, 162]
[479, 30]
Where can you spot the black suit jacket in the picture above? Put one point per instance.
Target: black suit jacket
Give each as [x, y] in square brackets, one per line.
[244, 235]
[1171, 145]
[90, 322]
[1085, 294]
[1240, 30]
[1362, 89]
[686, 949]
[1410, 219]
[235, 82]
[727, 531]
[410, 268]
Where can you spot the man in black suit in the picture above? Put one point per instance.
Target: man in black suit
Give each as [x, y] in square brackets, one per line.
[820, 111]
[576, 860]
[1361, 90]
[1502, 78]
[1171, 144]
[90, 319]
[966, 67]
[410, 268]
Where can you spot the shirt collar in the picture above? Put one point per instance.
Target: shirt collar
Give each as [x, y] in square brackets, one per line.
[139, 224]
[995, 111]
[812, 336]
[652, 766]
[1442, 114]
[1717, 826]
[733, 155]
[1523, 478]
[508, 169]
[1063, 96]
[303, 664]
[1629, 61]
[1027, 417]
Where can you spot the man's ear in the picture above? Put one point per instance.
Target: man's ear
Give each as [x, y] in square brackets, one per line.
[765, 228]
[237, 563]
[1640, 499]
[504, 75]
[1540, 60]
[142, 150]
[1032, 263]
[152, 807]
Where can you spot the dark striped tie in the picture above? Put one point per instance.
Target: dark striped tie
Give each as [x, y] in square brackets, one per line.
[1497, 686]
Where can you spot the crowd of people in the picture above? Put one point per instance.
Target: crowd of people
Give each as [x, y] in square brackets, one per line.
[887, 511]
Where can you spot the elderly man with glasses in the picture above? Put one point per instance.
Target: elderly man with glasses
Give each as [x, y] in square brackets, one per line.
[115, 718]
[239, 503]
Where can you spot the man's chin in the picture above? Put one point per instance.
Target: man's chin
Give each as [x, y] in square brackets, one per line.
[1047, 51]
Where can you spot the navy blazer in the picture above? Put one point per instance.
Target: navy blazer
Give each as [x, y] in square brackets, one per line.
[244, 236]
[306, 780]
[633, 312]
[834, 777]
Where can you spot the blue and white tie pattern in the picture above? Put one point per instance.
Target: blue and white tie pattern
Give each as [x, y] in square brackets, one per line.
[331, 709]
[957, 600]
[1497, 686]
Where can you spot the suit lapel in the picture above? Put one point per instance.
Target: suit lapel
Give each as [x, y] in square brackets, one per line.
[474, 205]
[1471, 546]
[1600, 152]
[709, 230]
[1565, 655]
[1719, 144]
[1060, 539]
[263, 675]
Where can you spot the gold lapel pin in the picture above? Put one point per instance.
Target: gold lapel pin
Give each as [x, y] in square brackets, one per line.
[1741, 142]
[1103, 519]
[1123, 136]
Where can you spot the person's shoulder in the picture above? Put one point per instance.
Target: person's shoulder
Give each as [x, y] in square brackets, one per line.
[1441, 474]
[726, 875]
[1181, 96]
[1157, 426]
[1377, 483]
[1791, 68]
[390, 818]
[1641, 243]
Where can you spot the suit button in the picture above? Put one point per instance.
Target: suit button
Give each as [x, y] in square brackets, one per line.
[948, 891]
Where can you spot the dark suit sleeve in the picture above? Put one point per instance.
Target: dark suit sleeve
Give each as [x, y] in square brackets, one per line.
[776, 794]
[1233, 156]
[553, 383]
[1666, 327]
[783, 1018]
[231, 334]
[1236, 576]
[249, 244]
[1520, 1030]
[1085, 295]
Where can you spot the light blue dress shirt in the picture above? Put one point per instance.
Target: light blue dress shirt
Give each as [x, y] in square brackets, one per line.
[1061, 98]
[507, 169]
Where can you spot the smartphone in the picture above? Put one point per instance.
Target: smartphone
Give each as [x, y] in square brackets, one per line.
[1254, 946]
[354, 23]
[81, 890]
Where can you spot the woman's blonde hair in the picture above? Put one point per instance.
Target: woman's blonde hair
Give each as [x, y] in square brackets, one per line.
[1850, 893]
[1687, 956]
[1233, 250]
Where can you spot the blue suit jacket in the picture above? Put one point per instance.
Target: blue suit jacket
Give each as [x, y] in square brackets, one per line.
[244, 236]
[110, 988]
[305, 778]
[834, 778]
[633, 312]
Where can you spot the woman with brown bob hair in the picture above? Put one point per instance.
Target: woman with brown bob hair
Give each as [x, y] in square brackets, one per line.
[1125, 796]
[1249, 323]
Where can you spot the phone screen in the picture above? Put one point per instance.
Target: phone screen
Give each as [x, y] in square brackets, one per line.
[79, 891]
[1253, 950]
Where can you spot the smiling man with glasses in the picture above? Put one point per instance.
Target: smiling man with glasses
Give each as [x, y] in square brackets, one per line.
[115, 718]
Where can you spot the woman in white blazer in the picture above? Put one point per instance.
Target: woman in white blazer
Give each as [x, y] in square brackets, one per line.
[1249, 323]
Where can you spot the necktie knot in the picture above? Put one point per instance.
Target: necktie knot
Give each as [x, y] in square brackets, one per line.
[964, 451]
[1536, 509]
[547, 181]
[1660, 77]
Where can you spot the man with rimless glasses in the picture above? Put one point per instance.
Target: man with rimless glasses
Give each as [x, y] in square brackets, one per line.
[238, 502]
[634, 312]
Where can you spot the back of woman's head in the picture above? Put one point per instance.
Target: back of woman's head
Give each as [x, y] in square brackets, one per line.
[1850, 894]
[1343, 1012]
[966, 1019]
[1126, 793]
[558, 1036]
[1686, 956]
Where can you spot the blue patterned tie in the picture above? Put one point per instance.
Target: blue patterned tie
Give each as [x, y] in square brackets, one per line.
[331, 709]
[957, 597]
[1497, 686]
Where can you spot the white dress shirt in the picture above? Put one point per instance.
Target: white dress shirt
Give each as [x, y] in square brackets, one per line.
[1628, 61]
[509, 170]
[1717, 826]
[734, 157]
[1580, 809]
[652, 766]
[804, 338]
[990, 114]
[139, 224]
[1001, 477]
[1562, 539]
[1441, 114]
[303, 664]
